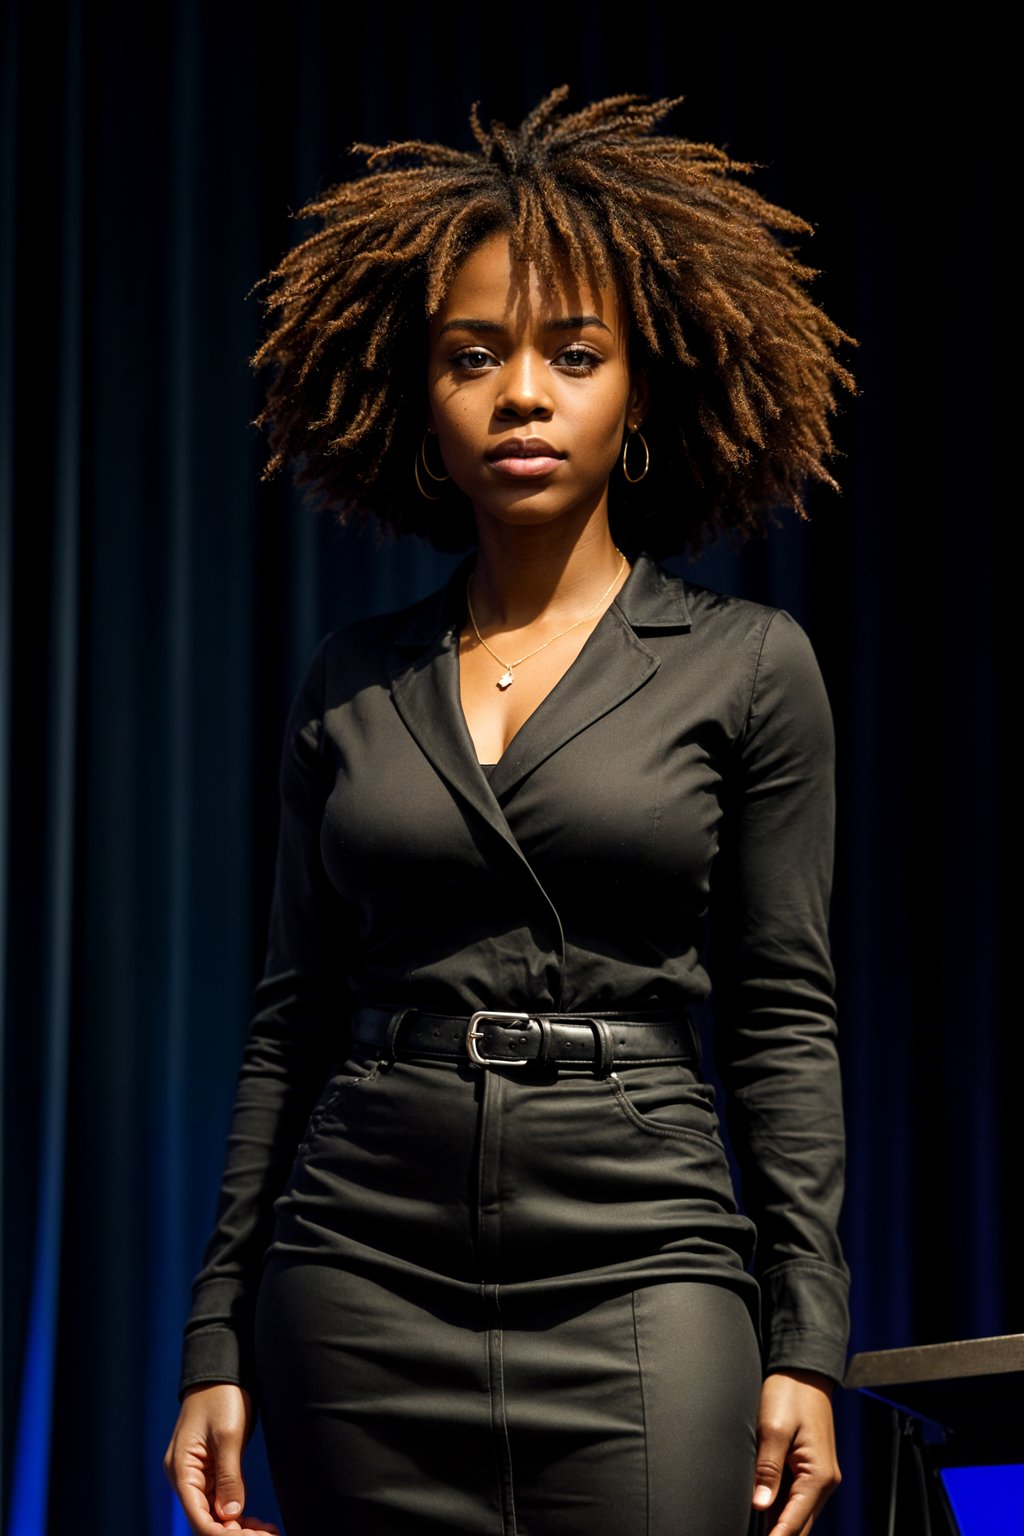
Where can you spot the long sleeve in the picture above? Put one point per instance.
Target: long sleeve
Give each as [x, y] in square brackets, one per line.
[298, 1028]
[774, 1005]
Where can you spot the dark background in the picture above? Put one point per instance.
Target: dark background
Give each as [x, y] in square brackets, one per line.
[158, 605]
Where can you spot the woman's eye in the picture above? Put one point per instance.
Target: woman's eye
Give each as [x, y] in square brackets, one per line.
[472, 360]
[578, 359]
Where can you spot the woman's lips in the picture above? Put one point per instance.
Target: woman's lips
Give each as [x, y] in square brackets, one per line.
[524, 458]
[525, 468]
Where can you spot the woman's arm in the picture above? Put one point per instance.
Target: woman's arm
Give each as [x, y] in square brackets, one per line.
[775, 1047]
[299, 1027]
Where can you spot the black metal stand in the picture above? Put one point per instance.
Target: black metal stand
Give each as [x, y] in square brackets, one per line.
[955, 1404]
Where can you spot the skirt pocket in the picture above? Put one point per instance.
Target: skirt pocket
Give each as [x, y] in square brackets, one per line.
[357, 1072]
[666, 1100]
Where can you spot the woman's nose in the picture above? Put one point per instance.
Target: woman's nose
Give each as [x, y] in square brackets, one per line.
[523, 390]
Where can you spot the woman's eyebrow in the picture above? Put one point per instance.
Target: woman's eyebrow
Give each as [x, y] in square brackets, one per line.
[576, 323]
[495, 327]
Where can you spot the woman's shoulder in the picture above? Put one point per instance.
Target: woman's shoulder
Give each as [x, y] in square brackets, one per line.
[756, 658]
[744, 629]
[370, 647]
[379, 633]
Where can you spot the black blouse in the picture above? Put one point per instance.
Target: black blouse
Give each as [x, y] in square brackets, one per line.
[683, 764]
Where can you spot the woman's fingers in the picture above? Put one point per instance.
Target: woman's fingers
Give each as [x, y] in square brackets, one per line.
[801, 1509]
[229, 1490]
[193, 1476]
[204, 1461]
[197, 1513]
[795, 1433]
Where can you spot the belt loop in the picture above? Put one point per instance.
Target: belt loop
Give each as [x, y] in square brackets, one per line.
[544, 1049]
[694, 1038]
[604, 1047]
[391, 1035]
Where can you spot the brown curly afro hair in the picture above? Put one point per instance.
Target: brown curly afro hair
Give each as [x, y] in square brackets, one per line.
[741, 364]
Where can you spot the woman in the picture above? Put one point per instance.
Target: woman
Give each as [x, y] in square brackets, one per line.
[505, 1286]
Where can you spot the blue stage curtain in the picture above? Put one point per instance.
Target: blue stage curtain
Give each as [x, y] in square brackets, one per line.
[158, 604]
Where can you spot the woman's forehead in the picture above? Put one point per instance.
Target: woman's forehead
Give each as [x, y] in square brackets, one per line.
[491, 284]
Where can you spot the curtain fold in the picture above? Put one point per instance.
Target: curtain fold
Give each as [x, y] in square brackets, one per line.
[8, 128]
[46, 1139]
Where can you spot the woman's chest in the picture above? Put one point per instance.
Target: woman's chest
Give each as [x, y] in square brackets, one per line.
[603, 800]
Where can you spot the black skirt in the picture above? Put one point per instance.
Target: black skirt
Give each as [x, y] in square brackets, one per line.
[510, 1300]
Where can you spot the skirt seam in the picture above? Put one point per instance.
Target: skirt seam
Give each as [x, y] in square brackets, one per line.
[643, 1415]
[499, 1424]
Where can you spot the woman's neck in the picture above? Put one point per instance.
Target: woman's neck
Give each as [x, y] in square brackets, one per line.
[522, 574]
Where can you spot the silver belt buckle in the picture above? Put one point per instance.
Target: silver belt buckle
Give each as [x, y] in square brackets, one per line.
[473, 1035]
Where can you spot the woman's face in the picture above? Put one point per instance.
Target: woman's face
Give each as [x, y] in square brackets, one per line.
[529, 387]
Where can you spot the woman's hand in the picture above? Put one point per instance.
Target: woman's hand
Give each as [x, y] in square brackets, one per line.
[795, 1432]
[204, 1460]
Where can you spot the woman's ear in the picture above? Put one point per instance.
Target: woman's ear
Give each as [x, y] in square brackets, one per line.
[636, 406]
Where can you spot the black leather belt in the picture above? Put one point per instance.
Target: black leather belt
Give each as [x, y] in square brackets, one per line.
[507, 1039]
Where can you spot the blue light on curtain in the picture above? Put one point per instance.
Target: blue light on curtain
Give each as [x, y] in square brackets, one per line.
[32, 1461]
[8, 121]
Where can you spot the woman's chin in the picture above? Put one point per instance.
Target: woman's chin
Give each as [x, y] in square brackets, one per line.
[532, 508]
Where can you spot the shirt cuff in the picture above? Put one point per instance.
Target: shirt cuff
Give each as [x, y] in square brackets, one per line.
[807, 1321]
[214, 1354]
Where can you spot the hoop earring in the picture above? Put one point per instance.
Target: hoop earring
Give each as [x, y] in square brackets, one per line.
[438, 480]
[421, 457]
[635, 432]
[419, 483]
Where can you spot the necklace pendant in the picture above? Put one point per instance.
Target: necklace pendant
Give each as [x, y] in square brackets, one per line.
[506, 679]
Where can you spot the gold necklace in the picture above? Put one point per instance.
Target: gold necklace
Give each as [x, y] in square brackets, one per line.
[506, 679]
